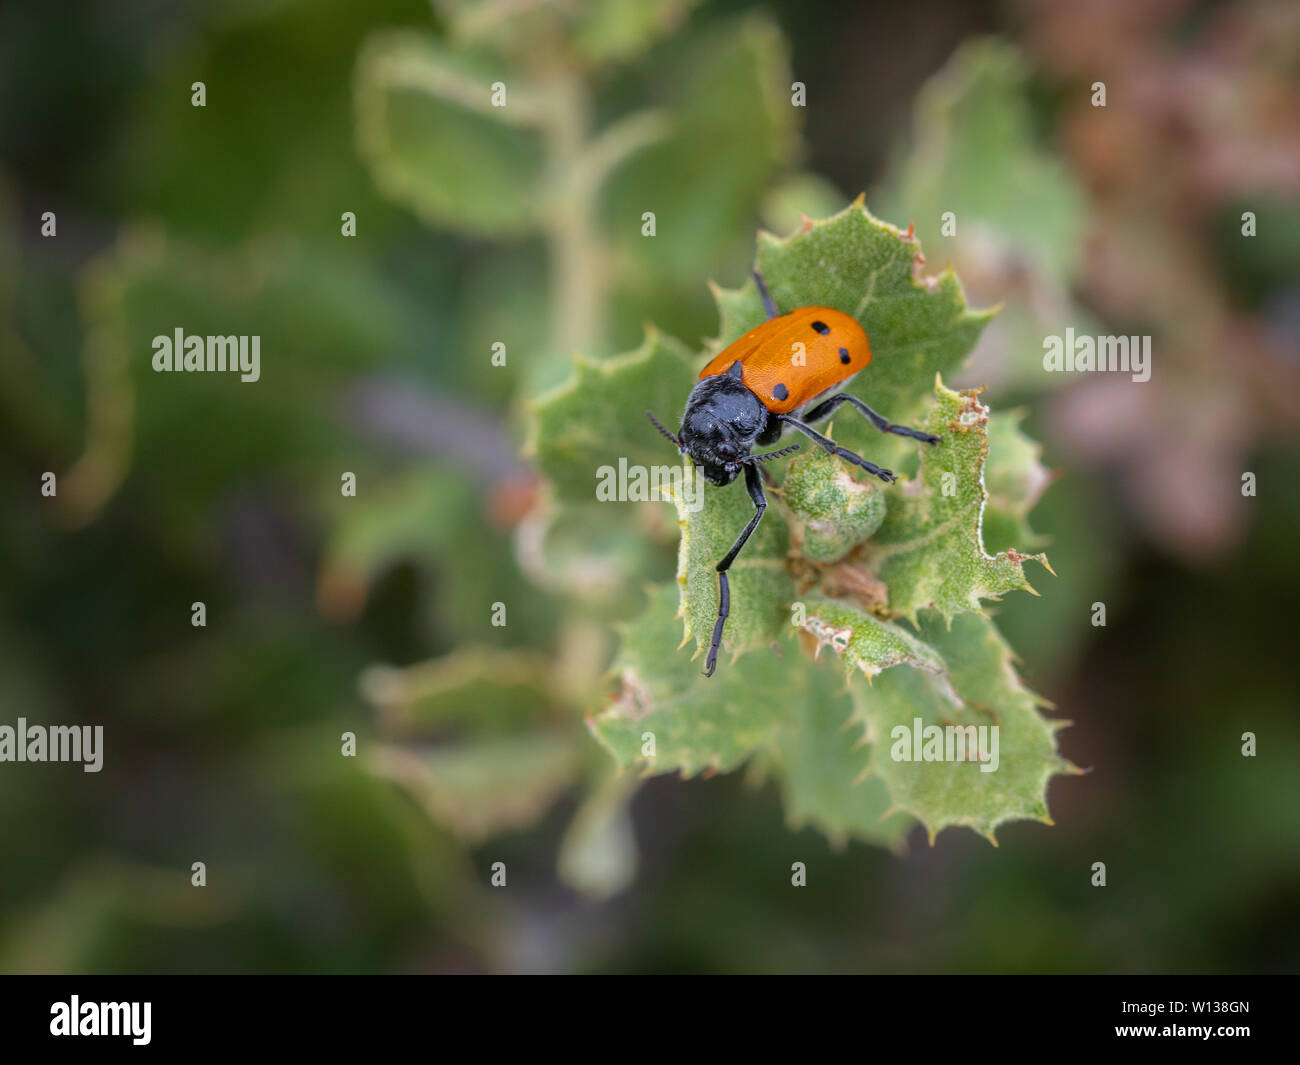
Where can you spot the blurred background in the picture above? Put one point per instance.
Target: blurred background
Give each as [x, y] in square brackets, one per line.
[521, 226]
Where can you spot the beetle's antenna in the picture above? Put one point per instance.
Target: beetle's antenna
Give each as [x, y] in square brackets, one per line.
[770, 454]
[666, 433]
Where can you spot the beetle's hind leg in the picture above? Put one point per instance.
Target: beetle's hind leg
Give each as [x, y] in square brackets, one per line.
[835, 449]
[825, 410]
[755, 486]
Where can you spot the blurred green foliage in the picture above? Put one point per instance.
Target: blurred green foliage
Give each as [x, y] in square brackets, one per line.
[374, 614]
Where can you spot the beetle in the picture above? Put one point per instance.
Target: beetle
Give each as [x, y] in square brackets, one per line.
[757, 387]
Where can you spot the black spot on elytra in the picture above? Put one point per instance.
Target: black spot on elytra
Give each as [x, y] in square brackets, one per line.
[821, 327]
[844, 356]
[780, 392]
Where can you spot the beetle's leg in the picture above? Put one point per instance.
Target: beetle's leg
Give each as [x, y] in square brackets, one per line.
[824, 410]
[835, 449]
[768, 305]
[755, 486]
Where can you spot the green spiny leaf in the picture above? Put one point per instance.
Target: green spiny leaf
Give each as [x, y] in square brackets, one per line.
[929, 551]
[833, 511]
[791, 714]
[866, 643]
[1015, 479]
[943, 793]
[598, 415]
[822, 761]
[697, 723]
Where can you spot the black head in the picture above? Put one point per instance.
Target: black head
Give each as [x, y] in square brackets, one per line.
[722, 420]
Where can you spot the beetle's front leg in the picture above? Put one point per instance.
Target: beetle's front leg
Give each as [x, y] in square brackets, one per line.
[754, 484]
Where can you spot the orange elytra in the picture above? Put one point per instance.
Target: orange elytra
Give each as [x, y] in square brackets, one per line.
[795, 357]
